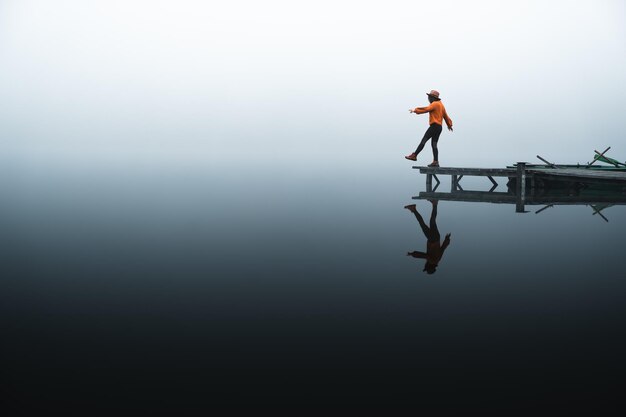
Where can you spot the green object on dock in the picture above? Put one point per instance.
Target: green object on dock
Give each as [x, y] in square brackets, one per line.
[608, 160]
[612, 164]
[565, 166]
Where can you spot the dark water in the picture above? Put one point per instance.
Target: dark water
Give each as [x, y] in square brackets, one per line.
[185, 286]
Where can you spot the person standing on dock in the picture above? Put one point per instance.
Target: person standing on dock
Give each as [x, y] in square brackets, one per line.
[437, 114]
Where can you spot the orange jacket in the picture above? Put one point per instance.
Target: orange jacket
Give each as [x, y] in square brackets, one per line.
[437, 113]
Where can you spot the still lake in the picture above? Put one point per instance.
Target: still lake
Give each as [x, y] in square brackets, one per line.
[185, 284]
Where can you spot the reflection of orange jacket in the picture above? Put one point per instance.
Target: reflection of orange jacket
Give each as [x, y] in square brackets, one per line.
[434, 252]
[437, 113]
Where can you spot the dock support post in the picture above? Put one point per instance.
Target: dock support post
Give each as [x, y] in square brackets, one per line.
[429, 183]
[438, 182]
[453, 184]
[521, 187]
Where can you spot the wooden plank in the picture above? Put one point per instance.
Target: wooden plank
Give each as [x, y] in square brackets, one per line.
[548, 163]
[521, 187]
[581, 174]
[568, 174]
[469, 196]
[598, 211]
[576, 200]
[509, 172]
[596, 158]
[480, 172]
[560, 166]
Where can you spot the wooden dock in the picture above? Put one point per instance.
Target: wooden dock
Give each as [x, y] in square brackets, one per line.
[537, 177]
[528, 185]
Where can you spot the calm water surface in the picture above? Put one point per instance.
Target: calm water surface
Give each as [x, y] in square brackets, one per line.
[182, 284]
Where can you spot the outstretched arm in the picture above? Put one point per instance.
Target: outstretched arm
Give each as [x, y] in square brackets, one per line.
[419, 110]
[417, 254]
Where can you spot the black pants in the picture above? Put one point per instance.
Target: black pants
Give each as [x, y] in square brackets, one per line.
[432, 232]
[433, 133]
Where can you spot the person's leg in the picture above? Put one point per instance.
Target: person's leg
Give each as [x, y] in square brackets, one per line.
[434, 235]
[422, 143]
[435, 140]
[422, 223]
[429, 133]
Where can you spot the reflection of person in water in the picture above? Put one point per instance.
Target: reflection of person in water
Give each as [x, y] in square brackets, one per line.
[434, 248]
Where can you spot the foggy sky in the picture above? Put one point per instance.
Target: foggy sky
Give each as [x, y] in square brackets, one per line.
[280, 78]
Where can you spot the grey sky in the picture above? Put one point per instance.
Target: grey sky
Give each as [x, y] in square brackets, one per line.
[279, 77]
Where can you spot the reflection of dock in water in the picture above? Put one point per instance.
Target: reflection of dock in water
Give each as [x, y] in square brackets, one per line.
[532, 186]
[511, 198]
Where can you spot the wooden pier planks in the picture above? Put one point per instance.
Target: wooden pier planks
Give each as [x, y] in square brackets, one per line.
[481, 172]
